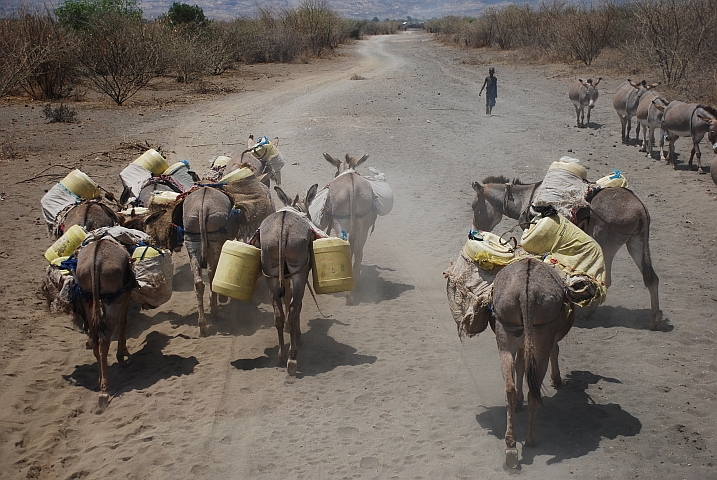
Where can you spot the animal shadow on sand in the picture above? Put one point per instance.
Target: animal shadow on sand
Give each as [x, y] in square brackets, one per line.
[374, 289]
[183, 281]
[320, 353]
[607, 316]
[146, 367]
[569, 424]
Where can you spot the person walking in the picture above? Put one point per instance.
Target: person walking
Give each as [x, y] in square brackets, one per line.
[491, 91]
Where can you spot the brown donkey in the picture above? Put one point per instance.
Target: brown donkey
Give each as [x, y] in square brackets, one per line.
[106, 281]
[531, 317]
[350, 203]
[285, 237]
[618, 218]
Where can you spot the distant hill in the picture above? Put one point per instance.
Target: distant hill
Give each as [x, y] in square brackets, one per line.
[357, 9]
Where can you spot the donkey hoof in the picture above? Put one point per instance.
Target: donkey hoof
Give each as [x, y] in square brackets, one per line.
[291, 367]
[203, 330]
[511, 457]
[103, 401]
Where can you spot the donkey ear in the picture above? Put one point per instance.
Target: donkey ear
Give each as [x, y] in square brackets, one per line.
[154, 217]
[360, 161]
[705, 118]
[653, 85]
[126, 193]
[265, 179]
[311, 194]
[598, 81]
[478, 187]
[635, 85]
[282, 196]
[336, 163]
[658, 106]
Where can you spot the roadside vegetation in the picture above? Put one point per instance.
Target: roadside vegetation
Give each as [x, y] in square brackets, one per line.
[671, 41]
[106, 46]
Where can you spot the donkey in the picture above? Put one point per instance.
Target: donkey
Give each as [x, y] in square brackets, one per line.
[90, 214]
[265, 167]
[626, 100]
[531, 317]
[650, 118]
[350, 202]
[680, 119]
[209, 220]
[106, 281]
[285, 238]
[617, 217]
[583, 93]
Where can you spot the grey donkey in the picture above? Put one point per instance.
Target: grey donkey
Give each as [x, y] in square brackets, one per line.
[531, 317]
[209, 220]
[583, 94]
[625, 101]
[617, 217]
[285, 238]
[350, 203]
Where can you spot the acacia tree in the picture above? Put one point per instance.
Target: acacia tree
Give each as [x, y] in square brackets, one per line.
[675, 33]
[119, 56]
[588, 30]
[80, 14]
[20, 53]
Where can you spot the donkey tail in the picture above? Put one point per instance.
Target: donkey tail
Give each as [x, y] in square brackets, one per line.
[203, 233]
[96, 307]
[535, 380]
[283, 239]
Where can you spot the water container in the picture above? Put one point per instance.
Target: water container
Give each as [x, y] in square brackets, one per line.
[542, 236]
[180, 172]
[572, 167]
[221, 161]
[152, 161]
[81, 185]
[488, 252]
[136, 210]
[331, 265]
[237, 175]
[614, 180]
[143, 253]
[66, 244]
[237, 271]
[164, 197]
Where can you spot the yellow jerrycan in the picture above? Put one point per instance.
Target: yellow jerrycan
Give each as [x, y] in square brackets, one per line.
[66, 244]
[331, 265]
[237, 271]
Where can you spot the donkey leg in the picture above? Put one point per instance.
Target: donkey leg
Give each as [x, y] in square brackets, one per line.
[279, 317]
[519, 364]
[507, 349]
[640, 253]
[297, 296]
[101, 349]
[212, 263]
[199, 291]
[556, 380]
[122, 352]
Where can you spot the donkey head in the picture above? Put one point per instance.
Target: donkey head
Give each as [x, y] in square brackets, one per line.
[298, 204]
[343, 165]
[591, 90]
[486, 215]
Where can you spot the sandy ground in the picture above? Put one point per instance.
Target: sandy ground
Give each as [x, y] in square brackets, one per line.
[385, 388]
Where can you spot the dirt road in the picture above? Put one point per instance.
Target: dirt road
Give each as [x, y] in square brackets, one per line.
[385, 389]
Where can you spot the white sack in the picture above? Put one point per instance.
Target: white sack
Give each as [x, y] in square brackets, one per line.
[563, 190]
[154, 280]
[134, 176]
[316, 209]
[55, 200]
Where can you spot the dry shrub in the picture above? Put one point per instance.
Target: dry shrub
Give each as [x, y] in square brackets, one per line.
[21, 50]
[119, 55]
